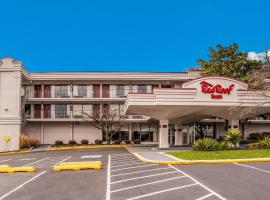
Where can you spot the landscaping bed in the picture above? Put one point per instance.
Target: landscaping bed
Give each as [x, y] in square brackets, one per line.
[225, 154]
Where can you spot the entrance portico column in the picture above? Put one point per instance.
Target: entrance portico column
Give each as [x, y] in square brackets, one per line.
[164, 134]
[178, 135]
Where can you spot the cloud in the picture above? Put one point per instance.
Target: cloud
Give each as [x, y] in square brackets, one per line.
[257, 56]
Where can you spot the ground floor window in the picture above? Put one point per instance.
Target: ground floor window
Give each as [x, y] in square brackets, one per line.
[122, 135]
[144, 136]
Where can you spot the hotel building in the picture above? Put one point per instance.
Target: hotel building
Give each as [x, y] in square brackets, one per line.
[162, 108]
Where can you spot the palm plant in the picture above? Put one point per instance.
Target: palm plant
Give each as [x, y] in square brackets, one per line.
[233, 137]
[206, 144]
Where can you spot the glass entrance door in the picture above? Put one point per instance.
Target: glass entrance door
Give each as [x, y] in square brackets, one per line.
[171, 136]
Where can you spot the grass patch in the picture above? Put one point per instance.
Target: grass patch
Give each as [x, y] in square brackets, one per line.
[226, 154]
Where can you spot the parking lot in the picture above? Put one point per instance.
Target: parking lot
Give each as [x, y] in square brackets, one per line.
[48, 184]
[123, 176]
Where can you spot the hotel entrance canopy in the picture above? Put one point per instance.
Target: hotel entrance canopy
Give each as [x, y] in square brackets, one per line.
[201, 98]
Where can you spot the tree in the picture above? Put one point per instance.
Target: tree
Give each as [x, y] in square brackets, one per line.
[229, 61]
[108, 121]
[259, 78]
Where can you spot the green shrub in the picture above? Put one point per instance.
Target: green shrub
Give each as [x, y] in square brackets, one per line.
[263, 143]
[98, 141]
[59, 142]
[255, 136]
[84, 141]
[127, 141]
[117, 142]
[254, 146]
[72, 142]
[206, 144]
[137, 141]
[222, 145]
[233, 137]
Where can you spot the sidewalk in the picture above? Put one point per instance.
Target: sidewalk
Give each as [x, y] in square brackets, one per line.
[153, 154]
[42, 147]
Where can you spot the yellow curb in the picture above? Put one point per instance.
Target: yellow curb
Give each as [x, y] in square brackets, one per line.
[87, 147]
[9, 169]
[78, 166]
[193, 162]
[13, 152]
[81, 163]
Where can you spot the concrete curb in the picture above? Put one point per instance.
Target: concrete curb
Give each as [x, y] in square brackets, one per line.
[87, 147]
[193, 162]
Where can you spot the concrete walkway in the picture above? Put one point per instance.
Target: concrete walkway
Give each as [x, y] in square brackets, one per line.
[42, 147]
[154, 154]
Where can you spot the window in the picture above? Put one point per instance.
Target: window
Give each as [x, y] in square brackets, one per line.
[77, 110]
[37, 111]
[114, 109]
[142, 89]
[120, 90]
[82, 90]
[61, 91]
[80, 110]
[61, 111]
[38, 91]
[167, 86]
[87, 109]
[47, 91]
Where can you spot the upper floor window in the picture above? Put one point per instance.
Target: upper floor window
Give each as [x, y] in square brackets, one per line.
[82, 90]
[61, 91]
[38, 91]
[61, 111]
[142, 89]
[167, 86]
[120, 90]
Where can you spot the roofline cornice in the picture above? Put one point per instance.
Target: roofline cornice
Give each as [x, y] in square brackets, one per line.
[56, 76]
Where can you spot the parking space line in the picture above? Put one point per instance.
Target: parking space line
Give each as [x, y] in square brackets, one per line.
[206, 196]
[108, 191]
[23, 159]
[137, 163]
[1, 161]
[205, 187]
[140, 177]
[126, 156]
[148, 170]
[119, 154]
[129, 160]
[36, 161]
[123, 157]
[160, 181]
[133, 167]
[251, 167]
[122, 160]
[62, 161]
[117, 157]
[162, 191]
[20, 186]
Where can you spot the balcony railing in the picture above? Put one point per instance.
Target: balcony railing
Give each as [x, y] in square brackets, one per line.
[73, 115]
[111, 93]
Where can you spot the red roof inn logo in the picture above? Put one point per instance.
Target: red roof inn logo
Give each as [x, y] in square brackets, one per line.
[217, 90]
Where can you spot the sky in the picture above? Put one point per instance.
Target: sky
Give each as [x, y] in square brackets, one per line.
[127, 35]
